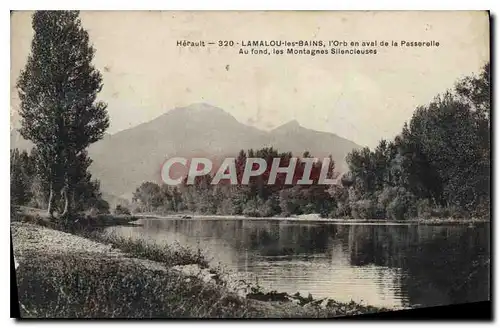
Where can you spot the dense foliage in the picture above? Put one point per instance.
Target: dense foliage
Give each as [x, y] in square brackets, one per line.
[438, 165]
[29, 187]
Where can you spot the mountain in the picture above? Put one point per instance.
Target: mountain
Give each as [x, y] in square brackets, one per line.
[297, 139]
[124, 160]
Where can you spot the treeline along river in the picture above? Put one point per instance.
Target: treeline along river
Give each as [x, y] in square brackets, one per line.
[380, 265]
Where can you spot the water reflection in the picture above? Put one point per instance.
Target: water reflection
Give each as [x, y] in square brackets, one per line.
[382, 265]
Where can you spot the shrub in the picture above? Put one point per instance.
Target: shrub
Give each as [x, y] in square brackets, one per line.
[92, 212]
[101, 206]
[169, 255]
[424, 210]
[386, 195]
[290, 201]
[251, 208]
[451, 211]
[271, 207]
[309, 208]
[457, 212]
[121, 210]
[136, 209]
[362, 209]
[258, 208]
[402, 207]
[226, 207]
[342, 210]
[483, 210]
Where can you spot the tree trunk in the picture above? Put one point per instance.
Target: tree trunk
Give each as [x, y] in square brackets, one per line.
[64, 194]
[50, 209]
[70, 203]
[67, 199]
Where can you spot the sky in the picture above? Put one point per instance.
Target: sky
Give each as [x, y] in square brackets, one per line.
[363, 98]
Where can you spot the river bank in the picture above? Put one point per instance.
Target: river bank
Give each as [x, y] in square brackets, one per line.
[66, 275]
[315, 218]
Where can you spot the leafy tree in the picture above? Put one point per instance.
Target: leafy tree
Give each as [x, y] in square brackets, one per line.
[442, 156]
[451, 139]
[58, 89]
[148, 195]
[476, 90]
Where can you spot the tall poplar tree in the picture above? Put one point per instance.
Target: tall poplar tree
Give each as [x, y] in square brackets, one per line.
[58, 89]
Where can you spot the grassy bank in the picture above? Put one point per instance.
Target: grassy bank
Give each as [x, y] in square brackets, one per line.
[64, 275]
[169, 255]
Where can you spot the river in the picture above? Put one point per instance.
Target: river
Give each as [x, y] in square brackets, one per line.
[380, 265]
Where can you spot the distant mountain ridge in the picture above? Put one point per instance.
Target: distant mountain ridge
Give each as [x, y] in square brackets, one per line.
[122, 161]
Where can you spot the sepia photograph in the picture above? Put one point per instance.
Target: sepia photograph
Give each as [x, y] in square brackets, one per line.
[249, 164]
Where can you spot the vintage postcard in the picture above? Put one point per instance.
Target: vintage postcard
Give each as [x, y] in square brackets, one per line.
[249, 164]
